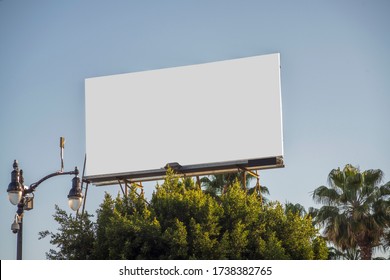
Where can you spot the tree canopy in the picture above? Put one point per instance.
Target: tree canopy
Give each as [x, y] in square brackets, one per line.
[183, 222]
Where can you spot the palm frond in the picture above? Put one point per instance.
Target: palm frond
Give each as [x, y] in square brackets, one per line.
[295, 208]
[325, 195]
[325, 213]
[336, 178]
[373, 176]
[384, 191]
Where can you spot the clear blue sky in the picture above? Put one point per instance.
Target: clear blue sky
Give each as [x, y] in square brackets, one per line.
[335, 84]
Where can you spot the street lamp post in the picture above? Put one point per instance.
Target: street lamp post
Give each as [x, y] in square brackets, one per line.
[22, 196]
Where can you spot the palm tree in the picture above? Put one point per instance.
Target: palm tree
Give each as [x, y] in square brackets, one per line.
[214, 184]
[217, 184]
[295, 208]
[261, 191]
[349, 254]
[355, 211]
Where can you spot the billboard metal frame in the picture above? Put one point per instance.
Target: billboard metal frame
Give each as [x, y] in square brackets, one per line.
[186, 171]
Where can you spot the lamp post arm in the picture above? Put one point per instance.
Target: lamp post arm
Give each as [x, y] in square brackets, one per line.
[33, 186]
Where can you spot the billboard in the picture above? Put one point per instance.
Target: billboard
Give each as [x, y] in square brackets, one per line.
[225, 111]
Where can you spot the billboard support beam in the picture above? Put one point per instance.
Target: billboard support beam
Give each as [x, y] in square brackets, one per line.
[188, 170]
[120, 185]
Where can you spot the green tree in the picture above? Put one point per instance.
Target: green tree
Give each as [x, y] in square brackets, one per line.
[294, 233]
[126, 229]
[183, 222]
[252, 230]
[180, 205]
[104, 215]
[74, 239]
[240, 212]
[355, 212]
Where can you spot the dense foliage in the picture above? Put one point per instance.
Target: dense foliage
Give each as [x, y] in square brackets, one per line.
[183, 222]
[74, 239]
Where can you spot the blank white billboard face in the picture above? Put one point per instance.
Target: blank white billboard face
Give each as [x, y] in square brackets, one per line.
[214, 112]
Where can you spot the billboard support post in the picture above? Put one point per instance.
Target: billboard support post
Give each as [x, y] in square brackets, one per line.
[198, 182]
[244, 180]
